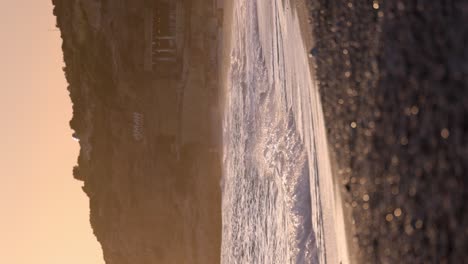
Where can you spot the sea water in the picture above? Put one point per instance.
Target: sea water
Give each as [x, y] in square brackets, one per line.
[272, 211]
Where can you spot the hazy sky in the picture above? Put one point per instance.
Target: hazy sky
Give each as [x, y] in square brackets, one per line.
[44, 217]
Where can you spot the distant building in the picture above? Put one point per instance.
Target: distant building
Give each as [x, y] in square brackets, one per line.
[164, 37]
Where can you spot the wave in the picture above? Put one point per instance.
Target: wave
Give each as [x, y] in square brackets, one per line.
[266, 188]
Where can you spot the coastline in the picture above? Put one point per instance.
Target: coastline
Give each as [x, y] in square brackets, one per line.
[225, 60]
[336, 230]
[342, 224]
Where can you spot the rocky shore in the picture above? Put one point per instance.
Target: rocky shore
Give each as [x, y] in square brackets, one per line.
[393, 79]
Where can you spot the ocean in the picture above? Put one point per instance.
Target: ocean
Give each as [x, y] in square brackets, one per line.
[277, 180]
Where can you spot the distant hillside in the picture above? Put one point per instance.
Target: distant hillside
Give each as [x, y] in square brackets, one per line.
[141, 166]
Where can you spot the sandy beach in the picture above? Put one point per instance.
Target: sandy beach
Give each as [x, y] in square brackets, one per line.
[340, 237]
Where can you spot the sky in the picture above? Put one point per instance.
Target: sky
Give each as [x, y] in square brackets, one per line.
[44, 214]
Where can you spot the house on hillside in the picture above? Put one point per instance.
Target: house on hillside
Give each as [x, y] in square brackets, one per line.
[164, 37]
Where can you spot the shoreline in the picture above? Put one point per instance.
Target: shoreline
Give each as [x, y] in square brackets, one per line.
[342, 224]
[224, 63]
[226, 54]
[336, 229]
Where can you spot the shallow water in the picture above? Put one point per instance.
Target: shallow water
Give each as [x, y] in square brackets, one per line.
[276, 162]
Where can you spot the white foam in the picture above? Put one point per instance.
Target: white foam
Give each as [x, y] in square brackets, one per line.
[278, 194]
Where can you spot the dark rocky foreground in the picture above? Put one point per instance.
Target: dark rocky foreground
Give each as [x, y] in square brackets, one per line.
[393, 78]
[149, 149]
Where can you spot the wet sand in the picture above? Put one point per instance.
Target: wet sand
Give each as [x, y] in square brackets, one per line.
[337, 238]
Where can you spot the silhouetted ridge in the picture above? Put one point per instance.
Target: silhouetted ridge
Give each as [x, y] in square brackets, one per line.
[144, 115]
